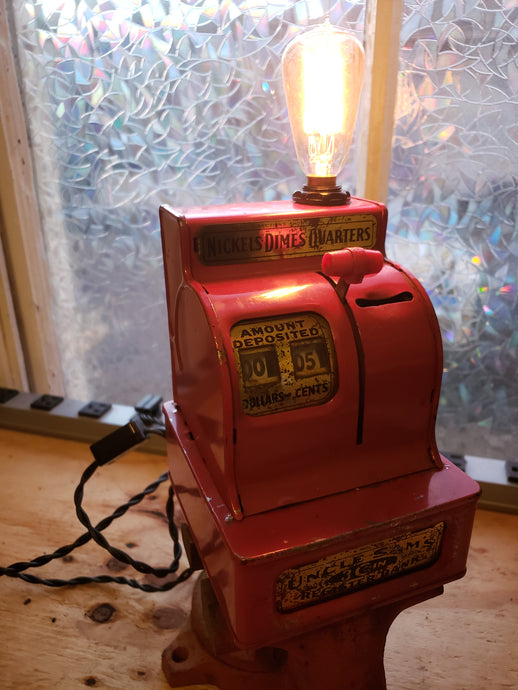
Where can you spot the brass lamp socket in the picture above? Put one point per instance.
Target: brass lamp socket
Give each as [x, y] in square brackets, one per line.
[321, 191]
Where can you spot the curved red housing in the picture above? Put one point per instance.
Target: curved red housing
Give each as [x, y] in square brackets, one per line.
[303, 422]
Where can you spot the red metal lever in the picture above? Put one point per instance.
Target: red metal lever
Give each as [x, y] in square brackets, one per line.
[352, 264]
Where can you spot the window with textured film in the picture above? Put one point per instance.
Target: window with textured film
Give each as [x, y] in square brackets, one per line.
[453, 197]
[136, 103]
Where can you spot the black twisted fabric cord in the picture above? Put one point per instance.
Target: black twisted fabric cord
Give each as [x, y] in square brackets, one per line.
[99, 579]
[94, 532]
[15, 568]
[100, 539]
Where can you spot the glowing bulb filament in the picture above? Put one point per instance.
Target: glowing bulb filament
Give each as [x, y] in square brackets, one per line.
[322, 73]
[323, 90]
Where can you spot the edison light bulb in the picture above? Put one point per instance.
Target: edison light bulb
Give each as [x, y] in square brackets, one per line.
[322, 71]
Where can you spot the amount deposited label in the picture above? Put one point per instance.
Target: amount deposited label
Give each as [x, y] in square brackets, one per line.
[284, 362]
[349, 571]
[234, 243]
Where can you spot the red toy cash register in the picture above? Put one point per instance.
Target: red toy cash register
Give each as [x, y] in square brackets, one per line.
[301, 438]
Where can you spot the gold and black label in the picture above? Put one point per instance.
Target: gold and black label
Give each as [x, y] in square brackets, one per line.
[247, 242]
[349, 571]
[284, 362]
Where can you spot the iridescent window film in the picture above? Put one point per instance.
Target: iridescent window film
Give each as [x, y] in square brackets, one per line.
[135, 103]
[452, 206]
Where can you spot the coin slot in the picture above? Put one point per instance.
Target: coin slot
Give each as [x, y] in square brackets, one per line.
[381, 301]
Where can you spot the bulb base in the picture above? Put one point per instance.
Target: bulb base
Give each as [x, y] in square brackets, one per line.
[321, 191]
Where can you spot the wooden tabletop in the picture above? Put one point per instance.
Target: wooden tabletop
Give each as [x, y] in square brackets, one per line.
[111, 636]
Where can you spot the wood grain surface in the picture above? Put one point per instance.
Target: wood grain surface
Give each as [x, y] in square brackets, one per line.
[112, 636]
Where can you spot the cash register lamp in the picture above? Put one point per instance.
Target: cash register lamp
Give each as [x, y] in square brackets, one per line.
[301, 438]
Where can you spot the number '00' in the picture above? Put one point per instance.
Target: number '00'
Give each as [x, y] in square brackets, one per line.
[254, 367]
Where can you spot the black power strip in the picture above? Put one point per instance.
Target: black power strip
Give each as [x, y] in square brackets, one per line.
[53, 415]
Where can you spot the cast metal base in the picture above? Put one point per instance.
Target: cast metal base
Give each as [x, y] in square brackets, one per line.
[347, 654]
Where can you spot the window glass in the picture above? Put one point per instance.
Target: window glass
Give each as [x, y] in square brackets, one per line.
[135, 103]
[452, 206]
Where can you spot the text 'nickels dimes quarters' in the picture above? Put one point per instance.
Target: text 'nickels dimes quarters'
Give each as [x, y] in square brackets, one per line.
[230, 243]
